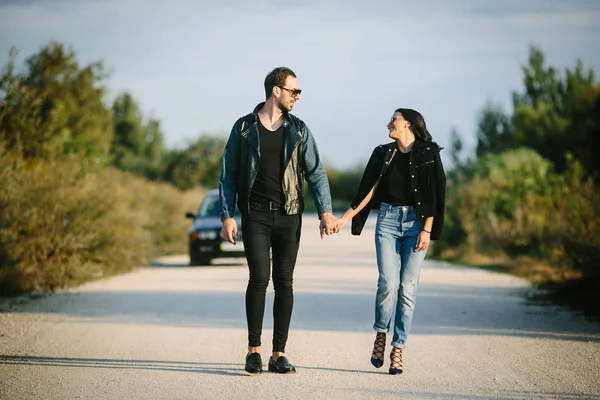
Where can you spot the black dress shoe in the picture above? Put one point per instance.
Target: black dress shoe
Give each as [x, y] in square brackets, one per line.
[281, 366]
[253, 363]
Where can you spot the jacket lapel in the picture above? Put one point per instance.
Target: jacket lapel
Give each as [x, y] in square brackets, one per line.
[250, 134]
[291, 136]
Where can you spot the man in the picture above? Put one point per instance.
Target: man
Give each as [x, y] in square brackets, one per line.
[268, 153]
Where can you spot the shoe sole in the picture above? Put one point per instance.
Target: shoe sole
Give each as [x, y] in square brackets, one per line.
[252, 372]
[279, 372]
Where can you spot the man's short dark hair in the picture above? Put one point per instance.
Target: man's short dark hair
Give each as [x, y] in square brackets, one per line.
[276, 77]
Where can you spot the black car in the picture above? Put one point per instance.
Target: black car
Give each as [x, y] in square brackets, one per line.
[205, 237]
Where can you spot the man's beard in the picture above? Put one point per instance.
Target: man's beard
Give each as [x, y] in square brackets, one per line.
[283, 108]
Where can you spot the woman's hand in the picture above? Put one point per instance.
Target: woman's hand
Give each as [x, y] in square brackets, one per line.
[340, 224]
[423, 240]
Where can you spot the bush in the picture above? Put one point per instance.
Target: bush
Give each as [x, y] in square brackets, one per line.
[514, 204]
[163, 207]
[61, 225]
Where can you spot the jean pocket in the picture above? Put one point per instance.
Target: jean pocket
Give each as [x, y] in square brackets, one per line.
[383, 212]
[416, 224]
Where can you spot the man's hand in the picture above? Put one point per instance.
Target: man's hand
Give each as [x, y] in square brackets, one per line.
[230, 230]
[327, 225]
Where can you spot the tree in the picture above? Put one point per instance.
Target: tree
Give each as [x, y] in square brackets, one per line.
[555, 115]
[154, 149]
[16, 120]
[558, 114]
[494, 133]
[197, 165]
[55, 107]
[456, 147]
[129, 140]
[136, 147]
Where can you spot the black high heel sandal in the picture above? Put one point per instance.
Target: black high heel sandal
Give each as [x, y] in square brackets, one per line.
[378, 350]
[396, 361]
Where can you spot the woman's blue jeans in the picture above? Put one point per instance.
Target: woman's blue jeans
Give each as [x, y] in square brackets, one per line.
[399, 267]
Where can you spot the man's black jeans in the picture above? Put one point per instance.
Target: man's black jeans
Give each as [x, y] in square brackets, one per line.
[263, 231]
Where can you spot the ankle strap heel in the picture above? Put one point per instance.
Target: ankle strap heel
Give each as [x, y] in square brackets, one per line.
[396, 361]
[378, 350]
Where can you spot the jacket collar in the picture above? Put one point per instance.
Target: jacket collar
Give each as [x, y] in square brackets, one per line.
[257, 109]
[419, 144]
[291, 129]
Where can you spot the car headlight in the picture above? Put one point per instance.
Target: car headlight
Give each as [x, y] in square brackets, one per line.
[208, 235]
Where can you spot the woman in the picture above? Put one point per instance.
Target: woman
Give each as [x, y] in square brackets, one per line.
[405, 180]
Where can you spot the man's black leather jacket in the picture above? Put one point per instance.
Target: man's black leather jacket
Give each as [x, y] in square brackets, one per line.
[301, 159]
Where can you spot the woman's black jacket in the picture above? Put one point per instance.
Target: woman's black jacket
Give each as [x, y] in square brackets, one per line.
[428, 182]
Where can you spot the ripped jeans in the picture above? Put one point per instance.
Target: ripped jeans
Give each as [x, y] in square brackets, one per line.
[399, 267]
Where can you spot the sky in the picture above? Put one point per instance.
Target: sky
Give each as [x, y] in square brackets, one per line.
[197, 66]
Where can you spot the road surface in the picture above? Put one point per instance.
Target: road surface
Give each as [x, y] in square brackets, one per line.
[169, 331]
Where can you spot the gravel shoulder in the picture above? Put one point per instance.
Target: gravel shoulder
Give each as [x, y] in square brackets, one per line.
[169, 331]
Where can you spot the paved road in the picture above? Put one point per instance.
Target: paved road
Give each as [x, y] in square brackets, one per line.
[174, 332]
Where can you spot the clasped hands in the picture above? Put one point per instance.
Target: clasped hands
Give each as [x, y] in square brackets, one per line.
[330, 224]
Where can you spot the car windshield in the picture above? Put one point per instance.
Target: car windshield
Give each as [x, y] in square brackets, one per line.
[210, 207]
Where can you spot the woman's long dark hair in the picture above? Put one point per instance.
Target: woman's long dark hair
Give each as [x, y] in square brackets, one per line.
[417, 124]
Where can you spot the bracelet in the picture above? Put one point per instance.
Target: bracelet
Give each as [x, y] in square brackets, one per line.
[426, 231]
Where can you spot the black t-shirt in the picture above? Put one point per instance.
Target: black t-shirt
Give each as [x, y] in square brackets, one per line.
[267, 186]
[395, 184]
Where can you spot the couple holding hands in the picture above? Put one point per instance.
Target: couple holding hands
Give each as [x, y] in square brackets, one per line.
[268, 154]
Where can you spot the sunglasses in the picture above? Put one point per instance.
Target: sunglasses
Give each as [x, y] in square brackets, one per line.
[293, 92]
